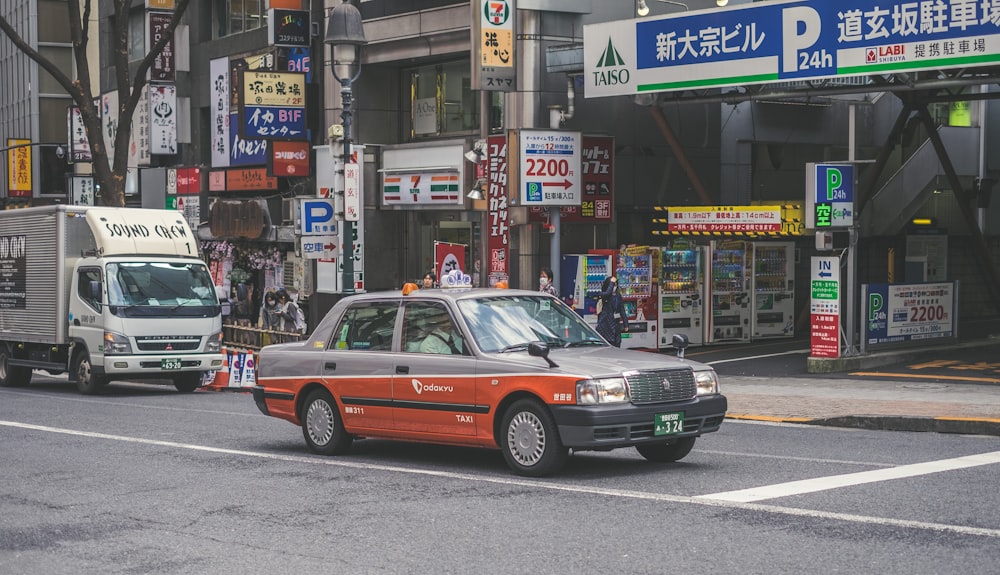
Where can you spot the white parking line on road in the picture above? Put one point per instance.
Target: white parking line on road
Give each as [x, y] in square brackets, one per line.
[860, 478]
[766, 355]
[534, 484]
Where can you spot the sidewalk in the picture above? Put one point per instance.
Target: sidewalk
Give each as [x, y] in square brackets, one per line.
[886, 405]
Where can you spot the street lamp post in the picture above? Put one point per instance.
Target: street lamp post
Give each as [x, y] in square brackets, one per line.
[346, 37]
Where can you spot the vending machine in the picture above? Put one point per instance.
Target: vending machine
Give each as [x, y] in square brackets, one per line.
[682, 292]
[636, 272]
[729, 291]
[773, 289]
[580, 281]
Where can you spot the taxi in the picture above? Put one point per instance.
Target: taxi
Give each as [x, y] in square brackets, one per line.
[513, 370]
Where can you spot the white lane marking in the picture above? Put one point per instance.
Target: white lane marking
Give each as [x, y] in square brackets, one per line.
[766, 355]
[116, 403]
[860, 478]
[623, 493]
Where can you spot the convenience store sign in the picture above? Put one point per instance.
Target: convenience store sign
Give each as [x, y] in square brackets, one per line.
[733, 219]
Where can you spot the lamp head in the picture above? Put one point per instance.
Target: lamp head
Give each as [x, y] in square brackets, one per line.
[643, 9]
[345, 35]
[476, 193]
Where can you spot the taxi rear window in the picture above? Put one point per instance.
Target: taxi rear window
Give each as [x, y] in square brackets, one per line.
[366, 326]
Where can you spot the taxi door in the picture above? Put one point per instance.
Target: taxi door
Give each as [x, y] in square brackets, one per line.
[357, 364]
[434, 379]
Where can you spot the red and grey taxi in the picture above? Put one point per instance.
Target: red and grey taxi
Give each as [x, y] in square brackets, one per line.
[518, 371]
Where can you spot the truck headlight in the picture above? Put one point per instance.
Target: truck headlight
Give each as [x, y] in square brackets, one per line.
[707, 382]
[116, 344]
[606, 390]
[214, 343]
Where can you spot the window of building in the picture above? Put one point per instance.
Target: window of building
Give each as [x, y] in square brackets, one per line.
[441, 100]
[62, 57]
[236, 16]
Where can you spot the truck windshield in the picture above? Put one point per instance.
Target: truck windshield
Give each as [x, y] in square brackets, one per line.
[150, 289]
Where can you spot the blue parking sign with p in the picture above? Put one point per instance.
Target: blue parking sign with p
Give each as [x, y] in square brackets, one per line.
[317, 217]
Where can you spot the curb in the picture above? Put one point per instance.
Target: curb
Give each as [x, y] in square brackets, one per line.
[820, 365]
[959, 425]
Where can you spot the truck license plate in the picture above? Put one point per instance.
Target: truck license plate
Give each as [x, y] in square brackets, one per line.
[668, 423]
[171, 363]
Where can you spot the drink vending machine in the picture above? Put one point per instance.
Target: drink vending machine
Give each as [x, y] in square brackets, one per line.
[580, 281]
[729, 287]
[773, 289]
[682, 292]
[636, 269]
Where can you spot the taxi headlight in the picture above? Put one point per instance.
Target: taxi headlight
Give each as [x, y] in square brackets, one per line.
[116, 344]
[606, 390]
[707, 382]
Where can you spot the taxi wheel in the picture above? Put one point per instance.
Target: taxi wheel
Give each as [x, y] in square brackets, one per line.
[666, 452]
[530, 441]
[86, 382]
[322, 426]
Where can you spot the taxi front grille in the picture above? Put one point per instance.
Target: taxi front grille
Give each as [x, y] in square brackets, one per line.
[168, 343]
[661, 386]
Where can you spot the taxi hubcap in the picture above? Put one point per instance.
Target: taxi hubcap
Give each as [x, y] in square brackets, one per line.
[526, 438]
[319, 422]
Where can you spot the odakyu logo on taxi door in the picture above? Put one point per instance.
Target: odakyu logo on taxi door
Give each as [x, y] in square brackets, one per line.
[421, 387]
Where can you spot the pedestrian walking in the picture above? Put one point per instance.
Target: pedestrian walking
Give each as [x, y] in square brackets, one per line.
[609, 304]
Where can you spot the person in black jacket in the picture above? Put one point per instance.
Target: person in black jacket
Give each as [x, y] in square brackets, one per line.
[611, 298]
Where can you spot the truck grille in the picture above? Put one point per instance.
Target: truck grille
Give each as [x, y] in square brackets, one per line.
[168, 343]
[661, 385]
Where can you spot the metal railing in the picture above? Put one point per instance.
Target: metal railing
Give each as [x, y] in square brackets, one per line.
[251, 337]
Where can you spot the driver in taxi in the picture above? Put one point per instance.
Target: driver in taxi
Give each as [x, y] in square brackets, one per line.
[442, 338]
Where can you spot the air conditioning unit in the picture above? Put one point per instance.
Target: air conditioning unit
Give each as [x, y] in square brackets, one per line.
[288, 211]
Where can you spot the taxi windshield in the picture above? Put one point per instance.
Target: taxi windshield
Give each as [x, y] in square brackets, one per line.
[507, 323]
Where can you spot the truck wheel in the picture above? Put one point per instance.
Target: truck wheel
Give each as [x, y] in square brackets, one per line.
[86, 382]
[666, 452]
[530, 441]
[322, 425]
[11, 375]
[187, 382]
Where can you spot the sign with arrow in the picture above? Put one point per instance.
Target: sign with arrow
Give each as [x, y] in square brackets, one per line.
[549, 173]
[824, 307]
[320, 247]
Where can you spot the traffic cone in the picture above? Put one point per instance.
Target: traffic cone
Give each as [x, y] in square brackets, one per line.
[221, 380]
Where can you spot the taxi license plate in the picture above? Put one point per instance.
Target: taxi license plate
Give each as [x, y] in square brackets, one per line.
[170, 364]
[668, 423]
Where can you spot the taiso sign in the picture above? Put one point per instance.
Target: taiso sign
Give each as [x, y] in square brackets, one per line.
[780, 41]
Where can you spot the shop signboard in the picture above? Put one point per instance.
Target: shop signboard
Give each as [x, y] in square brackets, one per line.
[245, 151]
[549, 168]
[598, 202]
[903, 313]
[19, 168]
[219, 79]
[288, 27]
[272, 105]
[781, 41]
[163, 67]
[824, 307]
[498, 212]
[495, 49]
[421, 188]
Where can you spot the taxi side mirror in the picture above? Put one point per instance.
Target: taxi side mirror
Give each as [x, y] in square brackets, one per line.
[540, 349]
[680, 343]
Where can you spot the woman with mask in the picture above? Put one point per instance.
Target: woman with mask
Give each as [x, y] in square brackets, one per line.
[545, 284]
[610, 304]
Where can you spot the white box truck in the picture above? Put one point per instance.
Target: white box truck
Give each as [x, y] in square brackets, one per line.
[105, 294]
